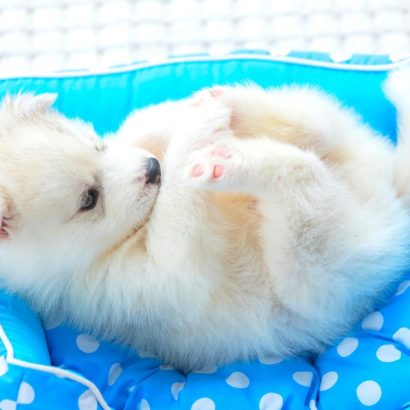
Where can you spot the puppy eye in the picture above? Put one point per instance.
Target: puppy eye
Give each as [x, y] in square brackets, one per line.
[89, 200]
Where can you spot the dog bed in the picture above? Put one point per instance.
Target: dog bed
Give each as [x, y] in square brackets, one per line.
[52, 366]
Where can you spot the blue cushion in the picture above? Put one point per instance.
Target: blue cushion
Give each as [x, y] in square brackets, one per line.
[54, 366]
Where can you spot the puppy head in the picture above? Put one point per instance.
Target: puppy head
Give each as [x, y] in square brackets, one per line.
[65, 196]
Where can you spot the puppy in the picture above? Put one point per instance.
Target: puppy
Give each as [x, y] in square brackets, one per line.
[276, 225]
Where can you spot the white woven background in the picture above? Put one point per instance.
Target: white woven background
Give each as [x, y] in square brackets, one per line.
[61, 34]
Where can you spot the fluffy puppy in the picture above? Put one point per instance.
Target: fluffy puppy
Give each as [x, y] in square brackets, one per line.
[276, 226]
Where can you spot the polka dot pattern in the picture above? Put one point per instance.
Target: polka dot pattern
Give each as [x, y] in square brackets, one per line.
[26, 394]
[4, 367]
[271, 360]
[373, 322]
[8, 405]
[329, 379]
[271, 401]
[144, 405]
[207, 370]
[176, 388]
[403, 336]
[87, 343]
[303, 378]
[369, 393]
[87, 401]
[53, 322]
[403, 287]
[347, 346]
[238, 380]
[388, 353]
[204, 403]
[114, 373]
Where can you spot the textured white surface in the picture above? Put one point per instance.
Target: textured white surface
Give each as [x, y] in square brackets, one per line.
[75, 33]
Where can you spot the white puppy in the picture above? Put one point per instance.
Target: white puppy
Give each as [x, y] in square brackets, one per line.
[277, 224]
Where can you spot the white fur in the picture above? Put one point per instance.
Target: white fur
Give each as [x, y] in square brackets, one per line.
[300, 235]
[397, 88]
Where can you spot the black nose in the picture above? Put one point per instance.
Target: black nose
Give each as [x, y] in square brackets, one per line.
[153, 171]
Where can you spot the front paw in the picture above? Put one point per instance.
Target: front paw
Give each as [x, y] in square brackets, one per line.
[212, 114]
[228, 96]
[213, 167]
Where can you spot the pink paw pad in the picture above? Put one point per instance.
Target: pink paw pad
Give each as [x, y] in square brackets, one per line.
[198, 170]
[206, 95]
[217, 171]
[222, 152]
[216, 92]
[212, 163]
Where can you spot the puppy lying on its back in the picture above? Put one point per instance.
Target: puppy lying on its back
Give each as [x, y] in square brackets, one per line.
[276, 226]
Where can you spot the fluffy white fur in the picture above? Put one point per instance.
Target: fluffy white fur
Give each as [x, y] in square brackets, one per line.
[279, 222]
[397, 88]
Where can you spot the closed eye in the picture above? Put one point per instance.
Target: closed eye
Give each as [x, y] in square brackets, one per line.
[100, 147]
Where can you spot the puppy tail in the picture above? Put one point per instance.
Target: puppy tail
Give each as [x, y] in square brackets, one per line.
[397, 89]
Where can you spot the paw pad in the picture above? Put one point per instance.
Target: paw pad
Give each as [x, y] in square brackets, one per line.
[216, 92]
[212, 165]
[217, 171]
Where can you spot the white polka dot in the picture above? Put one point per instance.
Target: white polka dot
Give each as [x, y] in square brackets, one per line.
[347, 346]
[176, 389]
[388, 353]
[87, 343]
[114, 373]
[203, 404]
[238, 380]
[403, 336]
[206, 370]
[303, 378]
[373, 322]
[312, 405]
[369, 393]
[143, 405]
[271, 359]
[87, 401]
[26, 394]
[53, 321]
[8, 405]
[329, 379]
[271, 401]
[4, 367]
[402, 287]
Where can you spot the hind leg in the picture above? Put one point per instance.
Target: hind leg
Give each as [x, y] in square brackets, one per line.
[307, 216]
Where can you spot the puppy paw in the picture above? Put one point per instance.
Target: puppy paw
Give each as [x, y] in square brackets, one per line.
[213, 167]
[225, 95]
[213, 113]
[207, 95]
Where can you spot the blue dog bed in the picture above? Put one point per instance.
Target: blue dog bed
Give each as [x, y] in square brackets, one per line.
[51, 366]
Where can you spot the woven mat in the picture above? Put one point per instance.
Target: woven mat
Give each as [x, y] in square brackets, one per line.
[57, 34]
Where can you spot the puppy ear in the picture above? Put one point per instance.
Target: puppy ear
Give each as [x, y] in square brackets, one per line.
[43, 102]
[27, 104]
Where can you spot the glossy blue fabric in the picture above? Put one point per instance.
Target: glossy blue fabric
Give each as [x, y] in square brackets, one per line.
[369, 368]
[106, 99]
